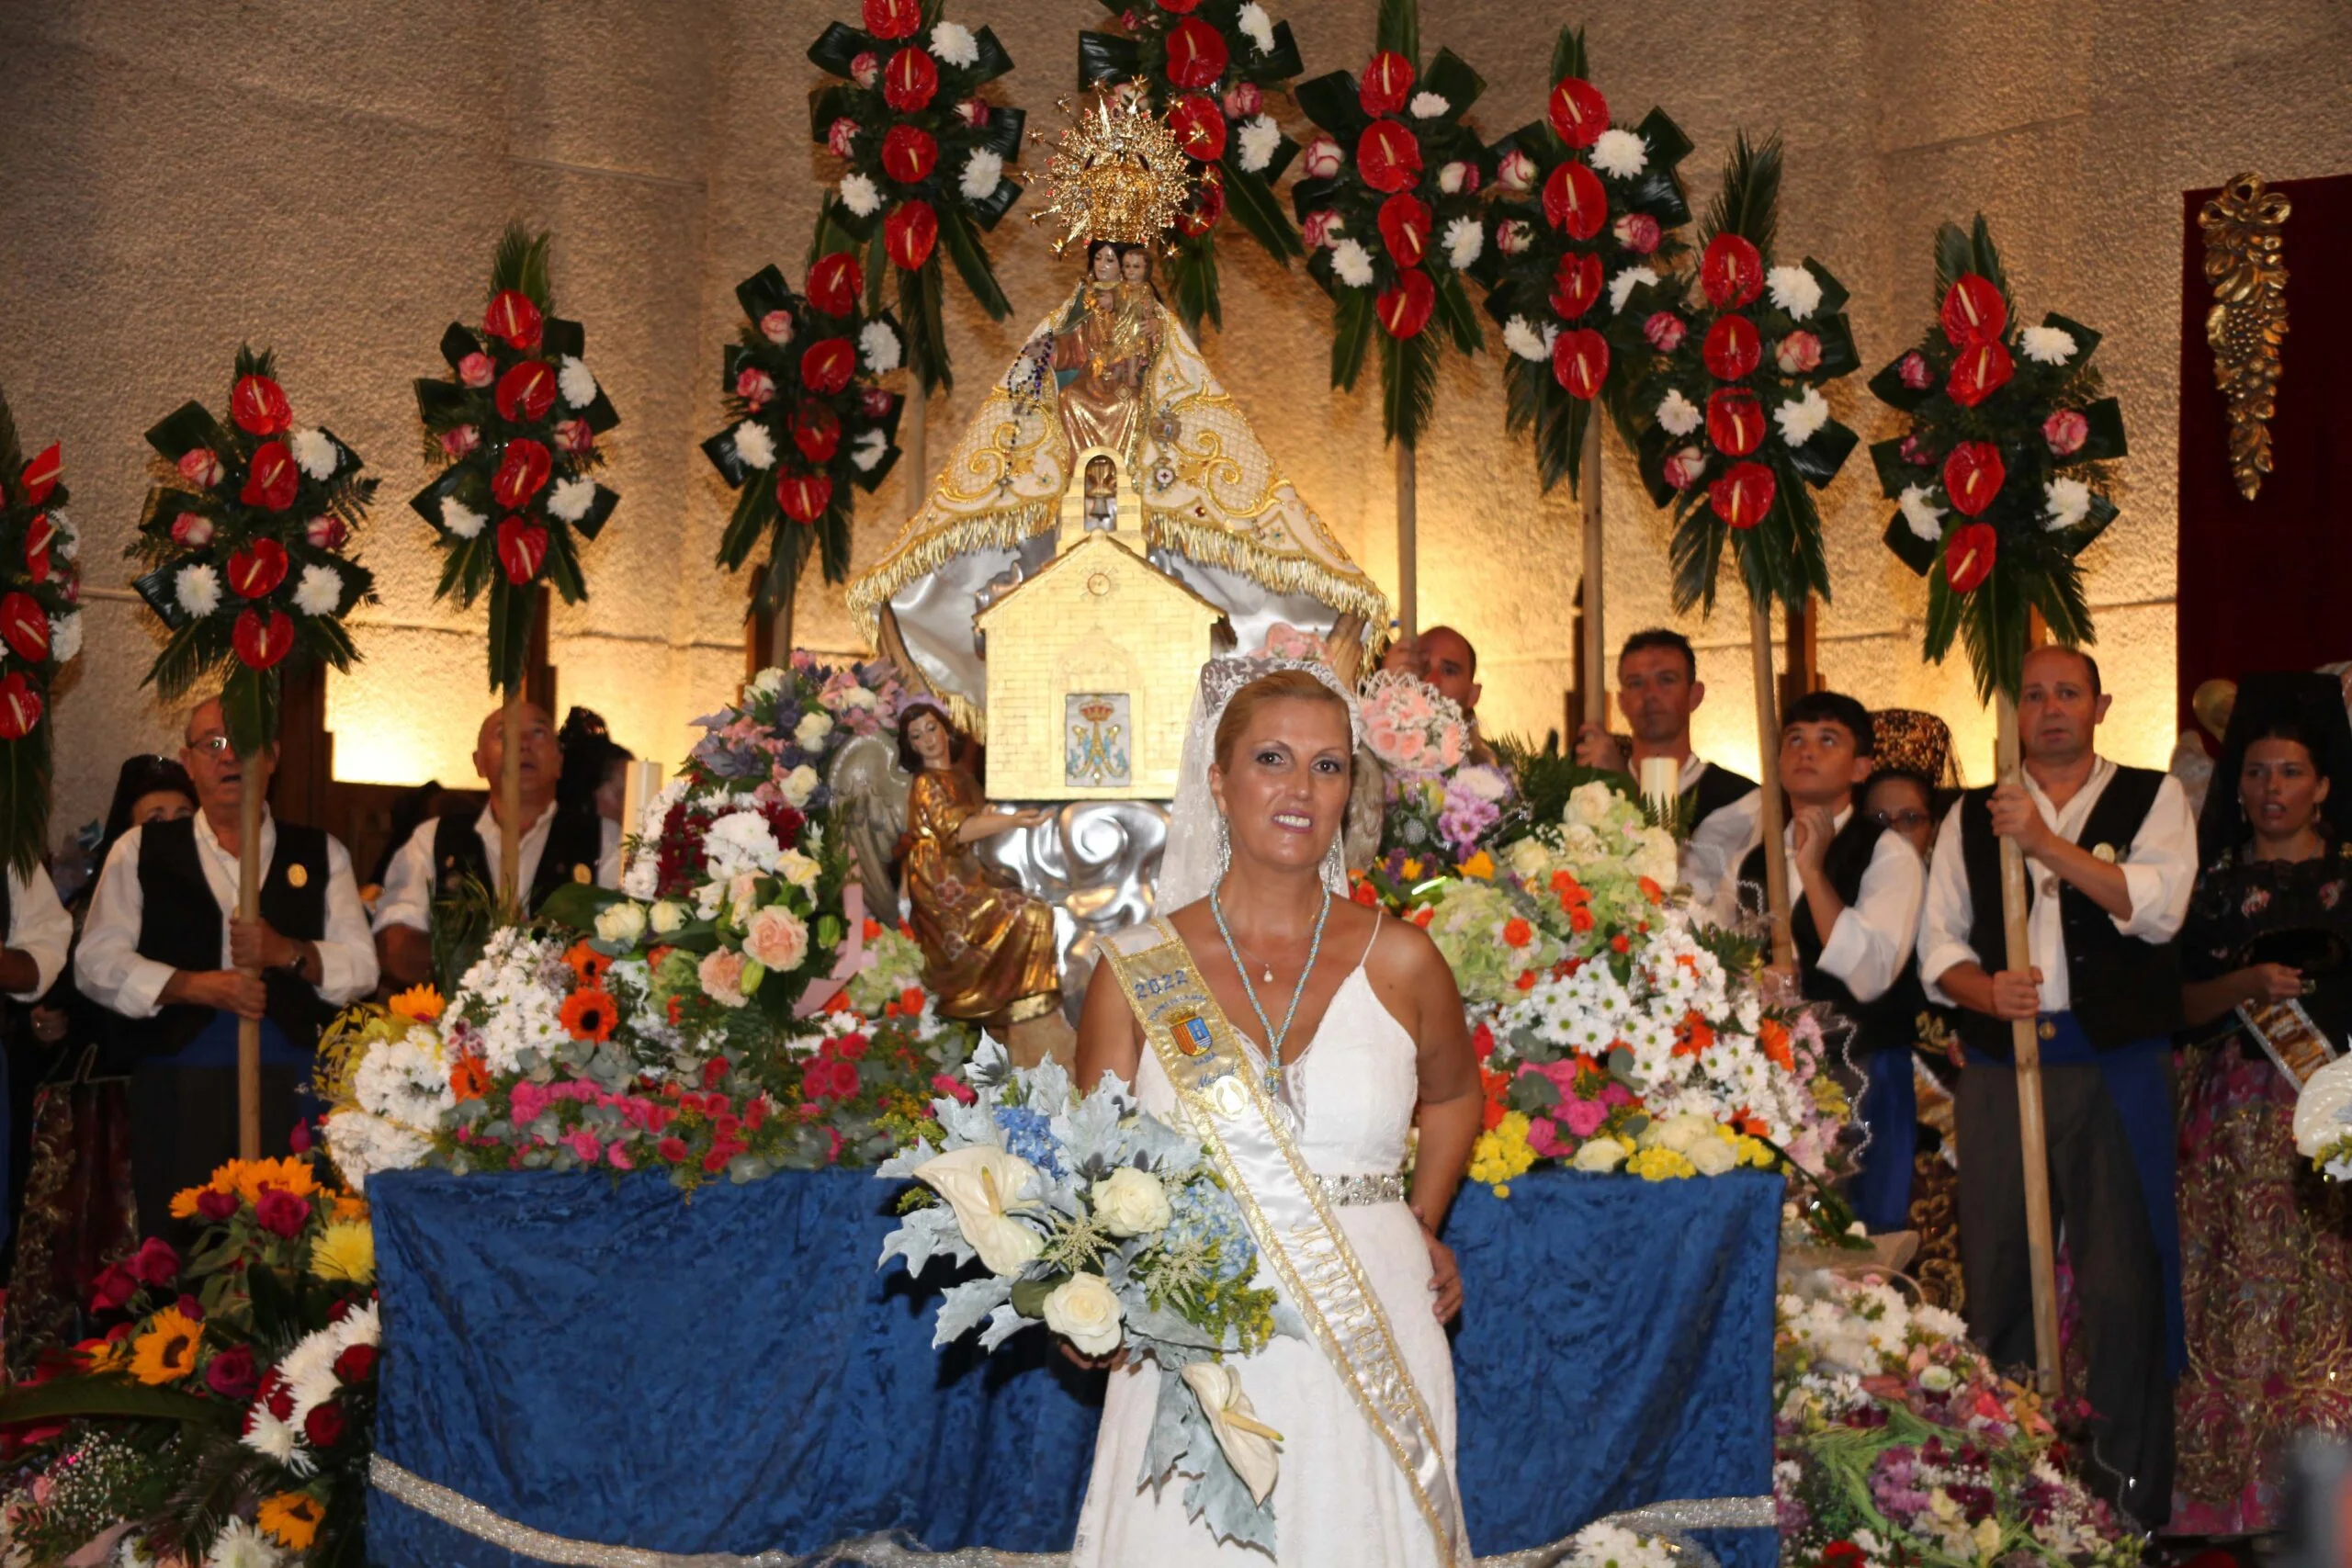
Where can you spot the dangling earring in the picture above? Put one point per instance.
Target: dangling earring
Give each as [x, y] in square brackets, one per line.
[1223, 848]
[1335, 863]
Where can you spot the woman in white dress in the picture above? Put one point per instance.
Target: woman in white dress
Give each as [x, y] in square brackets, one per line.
[1355, 1021]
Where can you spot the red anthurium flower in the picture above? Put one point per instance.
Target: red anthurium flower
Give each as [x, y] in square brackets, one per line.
[1388, 83]
[1404, 220]
[20, 705]
[816, 432]
[39, 534]
[1181, 7]
[1982, 369]
[1389, 155]
[1196, 55]
[1580, 362]
[1733, 348]
[258, 405]
[272, 479]
[1574, 201]
[1973, 476]
[893, 18]
[1736, 422]
[1968, 554]
[804, 497]
[909, 154]
[522, 473]
[1732, 273]
[909, 233]
[1199, 127]
[24, 626]
[826, 365]
[834, 284]
[257, 568]
[522, 548]
[1579, 111]
[262, 639]
[525, 392]
[1576, 286]
[512, 320]
[1405, 310]
[1200, 214]
[1743, 496]
[41, 474]
[1973, 311]
[911, 80]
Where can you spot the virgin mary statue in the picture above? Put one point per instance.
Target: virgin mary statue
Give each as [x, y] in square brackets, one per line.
[1110, 368]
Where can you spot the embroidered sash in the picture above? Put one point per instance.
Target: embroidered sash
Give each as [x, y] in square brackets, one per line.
[1288, 1215]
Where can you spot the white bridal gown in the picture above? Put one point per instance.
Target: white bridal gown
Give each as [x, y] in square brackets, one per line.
[1340, 1497]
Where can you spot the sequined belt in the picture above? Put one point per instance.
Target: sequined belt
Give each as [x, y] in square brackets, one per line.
[1357, 1191]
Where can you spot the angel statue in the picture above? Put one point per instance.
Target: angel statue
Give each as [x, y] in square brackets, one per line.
[1110, 368]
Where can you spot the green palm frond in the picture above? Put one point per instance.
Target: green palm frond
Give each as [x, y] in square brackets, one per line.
[1749, 202]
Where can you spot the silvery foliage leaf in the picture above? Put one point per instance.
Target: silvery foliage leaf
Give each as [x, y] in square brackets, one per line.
[1090, 1130]
[1004, 1323]
[966, 1124]
[1154, 1145]
[1048, 1085]
[1157, 1326]
[988, 1070]
[924, 1234]
[902, 1166]
[1286, 1319]
[1183, 1442]
[964, 1305]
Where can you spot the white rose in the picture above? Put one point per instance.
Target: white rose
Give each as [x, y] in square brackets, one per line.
[1083, 1310]
[1591, 803]
[983, 1184]
[621, 924]
[1935, 1379]
[1132, 1203]
[1527, 859]
[667, 916]
[1600, 1154]
[1678, 1133]
[753, 444]
[798, 786]
[1712, 1155]
[767, 682]
[812, 729]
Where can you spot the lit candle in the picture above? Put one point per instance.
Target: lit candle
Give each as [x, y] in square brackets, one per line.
[1661, 779]
[640, 782]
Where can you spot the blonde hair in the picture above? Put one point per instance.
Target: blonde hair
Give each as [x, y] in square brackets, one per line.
[1281, 685]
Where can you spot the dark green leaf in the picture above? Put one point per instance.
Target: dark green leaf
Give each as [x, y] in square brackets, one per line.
[184, 430]
[1331, 102]
[972, 259]
[107, 1396]
[1913, 551]
[2106, 438]
[1104, 59]
[835, 48]
[1350, 335]
[1567, 55]
[1749, 203]
[1451, 78]
[1399, 27]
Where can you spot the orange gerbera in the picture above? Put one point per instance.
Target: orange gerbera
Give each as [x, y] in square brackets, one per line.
[469, 1079]
[418, 1004]
[590, 1015]
[1774, 1037]
[291, 1518]
[590, 965]
[1693, 1037]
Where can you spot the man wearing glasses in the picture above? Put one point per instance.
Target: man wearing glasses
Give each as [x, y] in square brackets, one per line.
[162, 949]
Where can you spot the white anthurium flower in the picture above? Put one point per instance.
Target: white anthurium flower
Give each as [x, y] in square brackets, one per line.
[1920, 515]
[573, 380]
[319, 591]
[1426, 106]
[1620, 153]
[1802, 417]
[983, 171]
[1621, 287]
[1526, 342]
[879, 347]
[1351, 264]
[460, 519]
[1794, 290]
[2066, 503]
[1249, 1443]
[1464, 238]
[755, 444]
[570, 500]
[1677, 414]
[954, 43]
[1259, 136]
[2047, 346]
[984, 1184]
[1256, 26]
[314, 453]
[867, 450]
[859, 195]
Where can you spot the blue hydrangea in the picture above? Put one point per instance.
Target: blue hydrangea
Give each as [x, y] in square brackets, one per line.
[1029, 1134]
[1201, 1210]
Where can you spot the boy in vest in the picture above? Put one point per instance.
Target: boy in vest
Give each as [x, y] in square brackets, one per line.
[2111, 861]
[161, 948]
[1657, 690]
[556, 848]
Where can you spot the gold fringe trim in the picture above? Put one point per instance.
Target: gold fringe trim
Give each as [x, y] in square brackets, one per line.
[1222, 548]
[1004, 529]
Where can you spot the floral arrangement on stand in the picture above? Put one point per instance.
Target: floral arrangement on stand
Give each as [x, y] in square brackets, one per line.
[40, 633]
[1586, 211]
[226, 1417]
[923, 158]
[515, 426]
[243, 544]
[1896, 1442]
[2006, 473]
[1438, 801]
[1207, 67]
[1388, 200]
[780, 738]
[1108, 1225]
[2323, 1121]
[1732, 427]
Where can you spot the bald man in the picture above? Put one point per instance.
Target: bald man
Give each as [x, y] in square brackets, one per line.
[1443, 658]
[442, 854]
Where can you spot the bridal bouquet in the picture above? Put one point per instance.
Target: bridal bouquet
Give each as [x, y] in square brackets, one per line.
[1105, 1223]
[1437, 799]
[2322, 1121]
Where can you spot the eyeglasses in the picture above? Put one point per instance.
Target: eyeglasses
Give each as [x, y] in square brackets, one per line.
[1903, 821]
[215, 744]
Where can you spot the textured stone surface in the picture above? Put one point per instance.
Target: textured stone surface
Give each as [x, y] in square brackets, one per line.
[329, 178]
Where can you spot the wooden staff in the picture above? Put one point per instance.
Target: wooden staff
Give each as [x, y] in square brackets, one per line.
[1768, 758]
[510, 805]
[2025, 1042]
[1409, 587]
[913, 437]
[1596, 685]
[249, 907]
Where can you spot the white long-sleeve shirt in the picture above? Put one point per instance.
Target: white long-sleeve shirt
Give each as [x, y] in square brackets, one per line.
[1866, 949]
[411, 882]
[39, 927]
[2159, 869]
[1717, 841]
[112, 973]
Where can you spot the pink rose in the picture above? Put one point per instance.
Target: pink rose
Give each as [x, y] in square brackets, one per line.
[874, 401]
[1637, 232]
[1543, 1137]
[199, 467]
[778, 939]
[1666, 330]
[1915, 452]
[1682, 469]
[617, 1155]
[865, 70]
[841, 136]
[721, 974]
[326, 532]
[191, 530]
[1458, 178]
[1453, 745]
[2066, 431]
[1516, 172]
[1913, 371]
[575, 436]
[973, 112]
[1322, 159]
[477, 370]
[1798, 353]
[1323, 229]
[755, 387]
[1584, 1117]
[1243, 100]
[776, 326]
[583, 1145]
[458, 442]
[1513, 236]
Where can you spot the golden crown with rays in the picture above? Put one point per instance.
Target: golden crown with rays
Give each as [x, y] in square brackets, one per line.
[1115, 173]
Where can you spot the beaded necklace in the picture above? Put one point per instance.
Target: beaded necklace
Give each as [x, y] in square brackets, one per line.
[1274, 1037]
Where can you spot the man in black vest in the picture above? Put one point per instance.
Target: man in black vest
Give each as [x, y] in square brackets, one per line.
[443, 853]
[1657, 690]
[2111, 861]
[162, 949]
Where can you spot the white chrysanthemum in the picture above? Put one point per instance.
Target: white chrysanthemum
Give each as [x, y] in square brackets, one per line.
[1801, 417]
[867, 450]
[197, 588]
[1351, 264]
[2047, 346]
[1526, 342]
[361, 1145]
[983, 171]
[320, 590]
[406, 1080]
[1426, 106]
[2065, 504]
[573, 379]
[954, 43]
[314, 453]
[1621, 287]
[1922, 517]
[1677, 414]
[1464, 238]
[1259, 136]
[878, 345]
[1256, 26]
[755, 444]
[740, 842]
[1620, 153]
[570, 500]
[460, 519]
[65, 636]
[68, 543]
[860, 197]
[361, 1325]
[1794, 290]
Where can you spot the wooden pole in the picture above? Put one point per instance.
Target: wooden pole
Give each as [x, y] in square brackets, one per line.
[511, 826]
[1595, 684]
[1768, 758]
[2025, 1044]
[1408, 585]
[914, 461]
[249, 803]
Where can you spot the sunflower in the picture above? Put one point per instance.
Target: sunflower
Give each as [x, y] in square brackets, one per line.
[183, 1202]
[418, 1004]
[247, 1178]
[588, 964]
[589, 1015]
[291, 1518]
[167, 1352]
